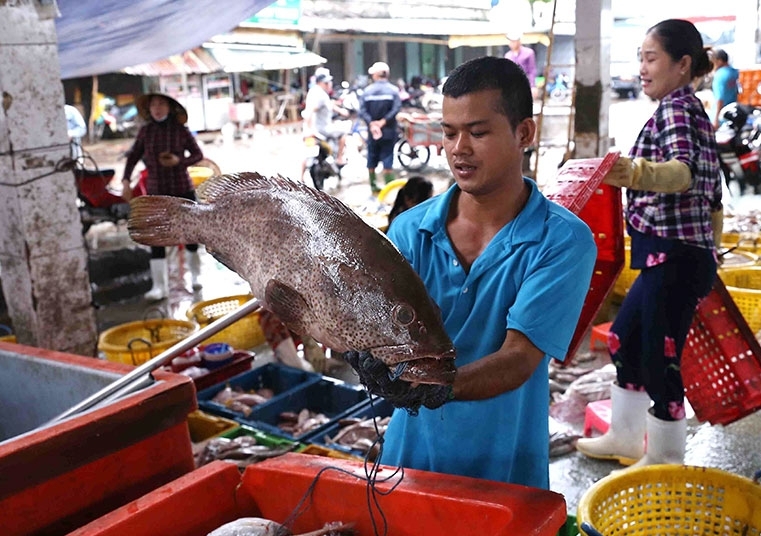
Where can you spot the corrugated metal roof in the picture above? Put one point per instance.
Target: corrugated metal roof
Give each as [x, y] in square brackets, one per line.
[195, 61]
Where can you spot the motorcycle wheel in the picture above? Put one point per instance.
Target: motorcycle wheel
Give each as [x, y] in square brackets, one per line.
[318, 177]
[412, 157]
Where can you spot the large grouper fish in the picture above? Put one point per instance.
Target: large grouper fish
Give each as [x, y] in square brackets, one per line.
[313, 262]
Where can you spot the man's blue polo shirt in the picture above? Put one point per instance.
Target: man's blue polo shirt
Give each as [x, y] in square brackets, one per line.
[532, 277]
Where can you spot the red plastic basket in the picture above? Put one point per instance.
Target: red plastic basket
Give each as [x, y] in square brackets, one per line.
[721, 361]
[578, 187]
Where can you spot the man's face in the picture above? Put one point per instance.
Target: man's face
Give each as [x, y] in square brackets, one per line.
[482, 150]
[514, 44]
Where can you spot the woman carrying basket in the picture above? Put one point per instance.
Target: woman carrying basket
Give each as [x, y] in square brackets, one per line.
[162, 143]
[674, 217]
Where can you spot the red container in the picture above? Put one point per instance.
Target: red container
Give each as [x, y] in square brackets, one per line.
[721, 361]
[578, 187]
[57, 478]
[423, 503]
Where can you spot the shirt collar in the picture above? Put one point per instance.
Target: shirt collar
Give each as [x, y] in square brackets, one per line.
[680, 92]
[526, 227]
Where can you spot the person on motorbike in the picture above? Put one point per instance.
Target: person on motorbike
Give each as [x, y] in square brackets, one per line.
[318, 115]
[162, 144]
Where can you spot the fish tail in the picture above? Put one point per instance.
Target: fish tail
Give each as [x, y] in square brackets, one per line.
[158, 220]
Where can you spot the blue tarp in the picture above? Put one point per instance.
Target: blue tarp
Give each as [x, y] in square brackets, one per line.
[104, 36]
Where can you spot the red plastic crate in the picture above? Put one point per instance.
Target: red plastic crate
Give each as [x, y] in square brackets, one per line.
[721, 361]
[578, 187]
[424, 503]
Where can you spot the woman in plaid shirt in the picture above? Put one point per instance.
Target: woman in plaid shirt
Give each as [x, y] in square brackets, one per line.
[674, 216]
[162, 143]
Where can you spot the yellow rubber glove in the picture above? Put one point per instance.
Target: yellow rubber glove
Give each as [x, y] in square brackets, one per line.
[640, 174]
[717, 224]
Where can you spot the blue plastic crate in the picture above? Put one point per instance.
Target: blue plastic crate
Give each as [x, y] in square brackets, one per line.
[380, 408]
[329, 396]
[275, 376]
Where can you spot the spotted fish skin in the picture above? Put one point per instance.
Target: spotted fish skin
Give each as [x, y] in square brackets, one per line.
[313, 262]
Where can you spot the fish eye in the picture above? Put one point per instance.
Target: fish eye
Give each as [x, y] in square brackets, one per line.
[404, 315]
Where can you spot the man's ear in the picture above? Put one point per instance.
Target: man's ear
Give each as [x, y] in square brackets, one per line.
[526, 132]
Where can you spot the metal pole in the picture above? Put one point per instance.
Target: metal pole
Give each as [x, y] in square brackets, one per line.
[191, 341]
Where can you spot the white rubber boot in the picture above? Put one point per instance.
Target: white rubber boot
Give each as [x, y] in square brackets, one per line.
[666, 441]
[194, 263]
[160, 289]
[624, 440]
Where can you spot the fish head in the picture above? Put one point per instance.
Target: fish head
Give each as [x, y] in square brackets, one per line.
[393, 317]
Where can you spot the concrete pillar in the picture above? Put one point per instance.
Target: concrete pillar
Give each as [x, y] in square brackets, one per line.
[42, 251]
[594, 26]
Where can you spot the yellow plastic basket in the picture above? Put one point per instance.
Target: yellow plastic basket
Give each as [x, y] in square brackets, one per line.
[627, 276]
[198, 174]
[672, 500]
[744, 285]
[244, 334]
[737, 258]
[8, 338]
[134, 343]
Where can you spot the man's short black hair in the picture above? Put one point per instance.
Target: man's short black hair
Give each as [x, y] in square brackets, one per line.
[720, 55]
[489, 72]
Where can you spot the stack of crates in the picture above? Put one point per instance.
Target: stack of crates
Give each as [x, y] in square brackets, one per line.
[750, 79]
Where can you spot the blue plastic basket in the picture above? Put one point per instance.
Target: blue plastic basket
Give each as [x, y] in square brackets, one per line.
[380, 408]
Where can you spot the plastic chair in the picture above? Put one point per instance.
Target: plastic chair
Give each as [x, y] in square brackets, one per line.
[597, 417]
[599, 334]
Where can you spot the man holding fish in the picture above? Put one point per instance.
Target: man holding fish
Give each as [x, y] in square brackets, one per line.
[509, 270]
[490, 268]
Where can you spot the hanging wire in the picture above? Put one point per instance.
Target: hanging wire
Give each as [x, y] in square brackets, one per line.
[373, 494]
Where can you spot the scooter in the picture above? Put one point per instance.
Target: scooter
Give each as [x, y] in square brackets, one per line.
[320, 160]
[95, 200]
[738, 140]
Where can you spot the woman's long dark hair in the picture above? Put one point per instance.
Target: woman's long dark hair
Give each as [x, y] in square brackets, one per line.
[680, 38]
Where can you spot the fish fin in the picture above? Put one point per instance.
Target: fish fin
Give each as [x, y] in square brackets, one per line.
[157, 220]
[287, 303]
[220, 186]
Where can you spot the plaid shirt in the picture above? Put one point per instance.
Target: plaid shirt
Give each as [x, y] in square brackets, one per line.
[679, 129]
[155, 138]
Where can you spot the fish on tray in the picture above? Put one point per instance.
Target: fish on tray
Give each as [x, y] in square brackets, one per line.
[257, 526]
[313, 262]
[243, 450]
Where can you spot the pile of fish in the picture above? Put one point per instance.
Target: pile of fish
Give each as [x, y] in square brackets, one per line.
[256, 526]
[314, 263]
[243, 450]
[298, 424]
[562, 377]
[237, 399]
[360, 434]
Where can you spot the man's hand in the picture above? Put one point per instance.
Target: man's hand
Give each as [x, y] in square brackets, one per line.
[377, 379]
[168, 159]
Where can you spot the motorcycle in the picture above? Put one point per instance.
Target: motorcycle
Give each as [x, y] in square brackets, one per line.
[320, 161]
[95, 200]
[738, 140]
[116, 121]
[559, 88]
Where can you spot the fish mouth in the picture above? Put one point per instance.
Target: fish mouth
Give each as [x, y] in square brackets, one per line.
[392, 355]
[429, 370]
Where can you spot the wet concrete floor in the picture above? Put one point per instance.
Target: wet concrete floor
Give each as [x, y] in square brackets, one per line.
[732, 448]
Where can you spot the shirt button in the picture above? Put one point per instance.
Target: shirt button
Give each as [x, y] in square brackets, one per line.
[455, 262]
[465, 290]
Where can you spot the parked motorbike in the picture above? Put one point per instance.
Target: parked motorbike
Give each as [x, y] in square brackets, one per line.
[116, 121]
[96, 201]
[559, 88]
[738, 140]
[320, 161]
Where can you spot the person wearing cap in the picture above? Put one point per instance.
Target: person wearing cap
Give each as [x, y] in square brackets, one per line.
[523, 56]
[167, 149]
[318, 114]
[378, 106]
